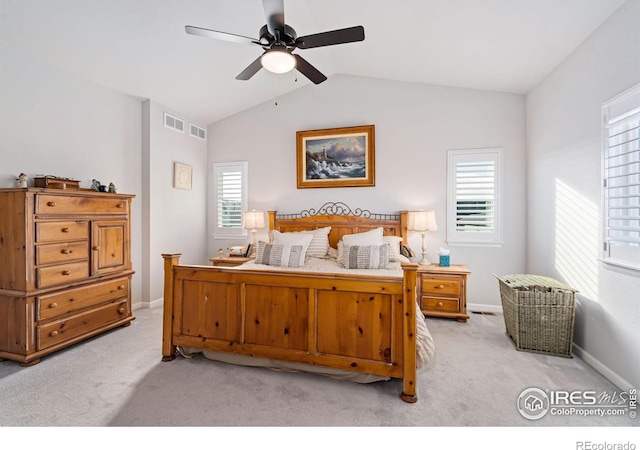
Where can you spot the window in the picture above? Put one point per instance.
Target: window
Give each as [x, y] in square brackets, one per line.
[621, 180]
[474, 197]
[230, 194]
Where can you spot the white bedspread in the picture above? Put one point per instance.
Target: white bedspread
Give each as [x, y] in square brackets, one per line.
[328, 265]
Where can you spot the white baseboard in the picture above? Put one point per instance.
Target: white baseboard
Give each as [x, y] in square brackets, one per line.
[154, 303]
[599, 367]
[477, 307]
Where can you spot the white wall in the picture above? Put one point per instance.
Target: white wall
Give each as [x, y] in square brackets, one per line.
[55, 123]
[177, 218]
[564, 191]
[415, 126]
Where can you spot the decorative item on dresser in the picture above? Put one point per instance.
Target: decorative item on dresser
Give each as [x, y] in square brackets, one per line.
[66, 269]
[442, 291]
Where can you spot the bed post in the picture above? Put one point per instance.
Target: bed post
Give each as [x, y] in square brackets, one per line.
[168, 349]
[409, 371]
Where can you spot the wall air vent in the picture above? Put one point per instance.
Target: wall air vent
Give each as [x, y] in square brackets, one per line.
[198, 132]
[173, 122]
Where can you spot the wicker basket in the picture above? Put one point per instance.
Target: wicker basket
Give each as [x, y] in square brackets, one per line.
[539, 313]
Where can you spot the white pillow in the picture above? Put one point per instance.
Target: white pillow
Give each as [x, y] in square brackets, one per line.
[372, 237]
[319, 245]
[394, 247]
[303, 239]
[279, 255]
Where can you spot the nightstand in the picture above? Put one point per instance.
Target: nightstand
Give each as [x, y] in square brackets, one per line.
[442, 291]
[228, 261]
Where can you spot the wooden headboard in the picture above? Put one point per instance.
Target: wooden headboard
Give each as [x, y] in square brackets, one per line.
[342, 220]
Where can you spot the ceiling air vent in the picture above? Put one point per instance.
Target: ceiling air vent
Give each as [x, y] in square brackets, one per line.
[173, 122]
[198, 132]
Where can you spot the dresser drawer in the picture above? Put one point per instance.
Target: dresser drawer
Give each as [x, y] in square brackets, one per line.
[440, 304]
[58, 204]
[441, 285]
[72, 300]
[62, 231]
[61, 252]
[74, 326]
[61, 274]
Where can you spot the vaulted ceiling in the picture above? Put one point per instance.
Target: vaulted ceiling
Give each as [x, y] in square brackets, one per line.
[139, 47]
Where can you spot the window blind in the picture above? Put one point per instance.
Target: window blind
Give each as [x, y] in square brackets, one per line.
[622, 187]
[474, 197]
[230, 197]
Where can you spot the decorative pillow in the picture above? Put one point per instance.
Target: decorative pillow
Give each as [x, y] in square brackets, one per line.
[279, 255]
[394, 247]
[372, 237]
[366, 256]
[320, 243]
[332, 253]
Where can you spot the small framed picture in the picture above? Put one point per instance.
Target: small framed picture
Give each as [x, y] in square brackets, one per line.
[182, 174]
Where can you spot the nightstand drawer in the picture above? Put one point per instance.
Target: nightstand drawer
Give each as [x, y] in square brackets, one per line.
[440, 285]
[440, 304]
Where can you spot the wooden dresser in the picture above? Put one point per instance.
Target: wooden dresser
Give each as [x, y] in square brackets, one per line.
[442, 291]
[65, 268]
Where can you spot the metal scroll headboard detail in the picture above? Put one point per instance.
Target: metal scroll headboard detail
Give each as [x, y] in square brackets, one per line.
[338, 209]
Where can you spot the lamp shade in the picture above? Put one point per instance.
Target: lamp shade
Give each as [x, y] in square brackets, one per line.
[422, 221]
[278, 61]
[253, 219]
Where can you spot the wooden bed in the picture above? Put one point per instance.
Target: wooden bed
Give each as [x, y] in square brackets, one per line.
[359, 323]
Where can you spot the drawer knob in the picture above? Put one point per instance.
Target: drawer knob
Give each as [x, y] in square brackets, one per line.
[66, 251]
[121, 310]
[51, 203]
[440, 303]
[120, 205]
[96, 248]
[65, 230]
[54, 333]
[121, 287]
[66, 272]
[53, 305]
[440, 286]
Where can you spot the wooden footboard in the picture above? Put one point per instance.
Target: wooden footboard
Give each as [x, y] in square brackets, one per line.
[357, 323]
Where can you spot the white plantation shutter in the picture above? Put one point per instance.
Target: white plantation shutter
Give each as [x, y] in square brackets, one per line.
[621, 185]
[230, 193]
[473, 196]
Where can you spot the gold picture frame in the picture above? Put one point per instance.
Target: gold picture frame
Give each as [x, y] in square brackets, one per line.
[182, 176]
[336, 157]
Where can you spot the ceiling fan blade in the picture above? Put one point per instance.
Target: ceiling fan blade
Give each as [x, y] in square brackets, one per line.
[251, 70]
[308, 70]
[196, 31]
[274, 15]
[342, 36]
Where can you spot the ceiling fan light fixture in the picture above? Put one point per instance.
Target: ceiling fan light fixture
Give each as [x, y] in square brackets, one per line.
[278, 61]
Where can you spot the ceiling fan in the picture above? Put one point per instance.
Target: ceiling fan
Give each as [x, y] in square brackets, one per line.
[279, 41]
